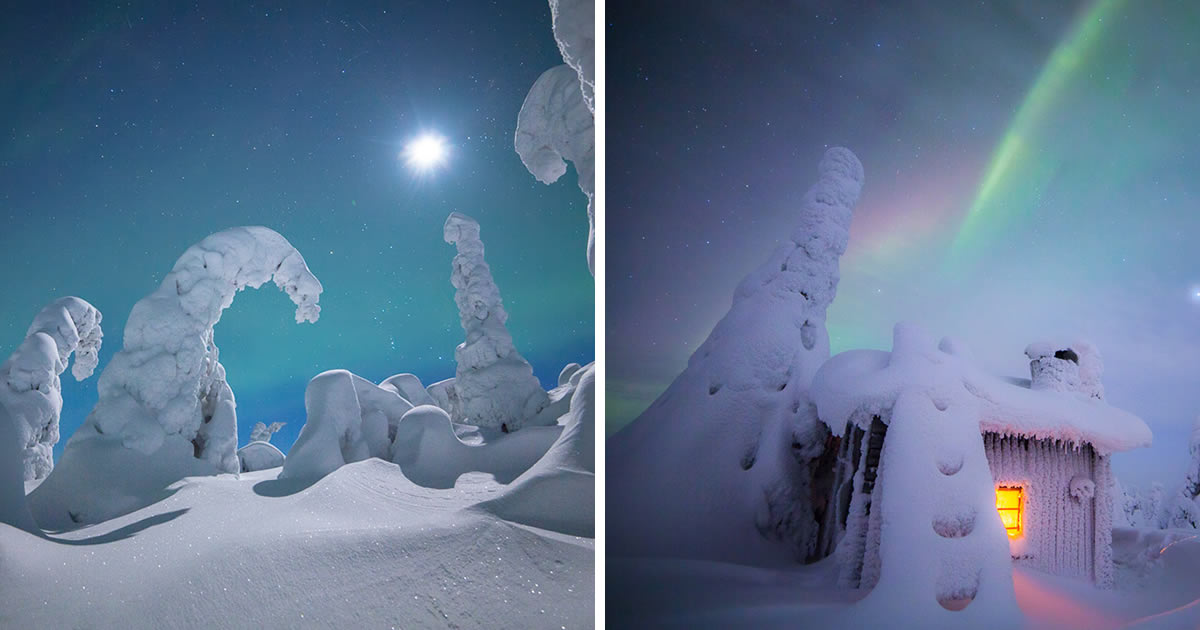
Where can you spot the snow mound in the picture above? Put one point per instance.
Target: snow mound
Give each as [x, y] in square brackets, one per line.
[31, 389]
[410, 388]
[858, 384]
[259, 455]
[443, 395]
[574, 23]
[718, 466]
[494, 385]
[349, 419]
[558, 492]
[431, 455]
[554, 125]
[935, 543]
[165, 408]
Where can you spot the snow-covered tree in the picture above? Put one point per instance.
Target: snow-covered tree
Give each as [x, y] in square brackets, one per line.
[555, 125]
[31, 389]
[494, 385]
[165, 408]
[262, 433]
[1183, 509]
[719, 466]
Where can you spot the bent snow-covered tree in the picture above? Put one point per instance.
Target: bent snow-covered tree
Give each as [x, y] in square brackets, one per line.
[494, 385]
[31, 388]
[718, 467]
[165, 408]
[574, 24]
[555, 125]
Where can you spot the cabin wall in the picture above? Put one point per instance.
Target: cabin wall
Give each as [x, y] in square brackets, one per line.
[1060, 534]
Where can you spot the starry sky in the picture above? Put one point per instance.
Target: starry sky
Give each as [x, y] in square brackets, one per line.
[131, 131]
[1030, 175]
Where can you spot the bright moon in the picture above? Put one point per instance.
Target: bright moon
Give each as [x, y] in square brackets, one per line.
[426, 152]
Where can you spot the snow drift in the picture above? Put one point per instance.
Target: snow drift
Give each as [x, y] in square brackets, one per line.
[430, 453]
[494, 385]
[31, 389]
[717, 467]
[558, 492]
[165, 409]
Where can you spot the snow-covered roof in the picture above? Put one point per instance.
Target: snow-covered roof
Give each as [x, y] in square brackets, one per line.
[859, 384]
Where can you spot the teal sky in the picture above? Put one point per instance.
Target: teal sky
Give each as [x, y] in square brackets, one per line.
[131, 134]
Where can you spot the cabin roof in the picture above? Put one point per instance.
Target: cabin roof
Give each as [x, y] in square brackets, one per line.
[858, 384]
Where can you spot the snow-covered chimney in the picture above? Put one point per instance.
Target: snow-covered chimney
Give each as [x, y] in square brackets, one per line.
[1074, 368]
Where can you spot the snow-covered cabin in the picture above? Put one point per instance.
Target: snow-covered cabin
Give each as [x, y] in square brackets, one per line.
[1047, 441]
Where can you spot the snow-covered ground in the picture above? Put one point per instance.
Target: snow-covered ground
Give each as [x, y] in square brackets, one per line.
[1157, 586]
[363, 547]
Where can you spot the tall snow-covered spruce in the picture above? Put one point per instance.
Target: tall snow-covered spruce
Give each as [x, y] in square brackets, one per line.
[165, 409]
[494, 385]
[31, 388]
[718, 466]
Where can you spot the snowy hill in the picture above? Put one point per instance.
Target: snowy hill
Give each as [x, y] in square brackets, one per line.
[362, 547]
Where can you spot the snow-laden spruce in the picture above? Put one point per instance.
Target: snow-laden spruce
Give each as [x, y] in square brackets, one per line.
[554, 125]
[718, 466]
[165, 408]
[1183, 509]
[494, 385]
[31, 389]
[14, 509]
[260, 432]
[349, 419]
[574, 24]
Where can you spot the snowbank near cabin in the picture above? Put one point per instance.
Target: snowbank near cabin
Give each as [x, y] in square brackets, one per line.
[431, 455]
[260, 455]
[718, 466]
[31, 389]
[554, 125]
[858, 384]
[349, 419]
[494, 385]
[558, 492]
[165, 408]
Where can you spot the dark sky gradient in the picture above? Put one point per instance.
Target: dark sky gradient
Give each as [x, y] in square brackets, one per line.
[132, 131]
[1030, 175]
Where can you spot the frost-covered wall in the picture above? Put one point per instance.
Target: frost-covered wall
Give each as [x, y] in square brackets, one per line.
[1062, 534]
[29, 380]
[165, 408]
[494, 385]
[718, 466]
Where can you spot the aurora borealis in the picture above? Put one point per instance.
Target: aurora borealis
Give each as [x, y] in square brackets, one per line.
[1030, 175]
[131, 132]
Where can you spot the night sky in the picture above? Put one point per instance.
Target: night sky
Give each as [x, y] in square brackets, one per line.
[1030, 175]
[133, 131]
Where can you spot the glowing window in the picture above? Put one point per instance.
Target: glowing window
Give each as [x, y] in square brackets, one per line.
[1008, 503]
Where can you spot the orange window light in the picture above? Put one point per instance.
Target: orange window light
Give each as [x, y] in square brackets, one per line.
[1008, 503]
